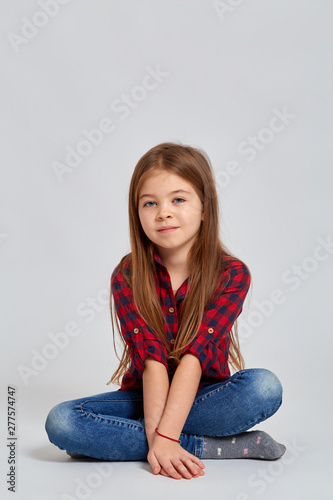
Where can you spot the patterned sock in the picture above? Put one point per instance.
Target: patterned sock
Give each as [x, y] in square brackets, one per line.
[250, 444]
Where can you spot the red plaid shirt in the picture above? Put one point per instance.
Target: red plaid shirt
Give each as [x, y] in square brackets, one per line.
[211, 344]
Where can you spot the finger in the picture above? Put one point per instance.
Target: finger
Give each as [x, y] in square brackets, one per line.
[193, 462]
[182, 469]
[194, 468]
[171, 471]
[164, 473]
[154, 463]
[196, 460]
[199, 464]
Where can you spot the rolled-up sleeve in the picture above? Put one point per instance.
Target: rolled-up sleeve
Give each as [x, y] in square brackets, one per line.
[211, 344]
[143, 343]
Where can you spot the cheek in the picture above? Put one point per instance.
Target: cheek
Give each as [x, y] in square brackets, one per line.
[144, 220]
[191, 213]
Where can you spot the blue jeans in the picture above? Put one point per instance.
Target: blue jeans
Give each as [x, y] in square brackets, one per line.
[110, 426]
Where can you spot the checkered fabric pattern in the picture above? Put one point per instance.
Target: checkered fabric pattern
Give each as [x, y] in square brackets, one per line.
[211, 344]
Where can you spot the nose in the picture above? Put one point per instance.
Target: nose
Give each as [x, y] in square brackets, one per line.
[163, 213]
[162, 216]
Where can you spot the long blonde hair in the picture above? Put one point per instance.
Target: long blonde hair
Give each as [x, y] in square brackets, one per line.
[206, 260]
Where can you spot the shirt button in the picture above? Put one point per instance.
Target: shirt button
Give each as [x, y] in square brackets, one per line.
[210, 330]
[136, 330]
[172, 341]
[171, 310]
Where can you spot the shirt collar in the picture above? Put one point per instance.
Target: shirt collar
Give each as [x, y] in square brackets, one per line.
[182, 290]
[158, 258]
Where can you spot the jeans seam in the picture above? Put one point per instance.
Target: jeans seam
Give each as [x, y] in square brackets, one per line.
[229, 381]
[105, 418]
[198, 446]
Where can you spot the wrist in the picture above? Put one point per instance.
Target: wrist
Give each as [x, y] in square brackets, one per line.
[150, 437]
[168, 428]
[165, 436]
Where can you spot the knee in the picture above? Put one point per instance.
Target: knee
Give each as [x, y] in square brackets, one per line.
[58, 423]
[267, 388]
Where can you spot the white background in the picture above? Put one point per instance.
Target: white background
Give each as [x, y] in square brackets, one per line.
[226, 72]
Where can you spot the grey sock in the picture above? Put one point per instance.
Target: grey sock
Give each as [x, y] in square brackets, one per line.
[250, 444]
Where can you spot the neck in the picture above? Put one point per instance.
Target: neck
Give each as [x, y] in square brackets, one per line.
[174, 262]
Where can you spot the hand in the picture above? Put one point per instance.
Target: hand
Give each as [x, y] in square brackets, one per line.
[168, 458]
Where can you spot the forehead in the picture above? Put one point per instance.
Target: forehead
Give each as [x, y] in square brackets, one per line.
[161, 182]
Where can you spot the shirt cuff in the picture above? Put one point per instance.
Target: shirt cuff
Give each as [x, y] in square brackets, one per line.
[201, 347]
[144, 345]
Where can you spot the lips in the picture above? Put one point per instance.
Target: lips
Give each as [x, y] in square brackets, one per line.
[167, 229]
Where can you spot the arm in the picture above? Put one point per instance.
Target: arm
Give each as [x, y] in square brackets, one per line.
[166, 456]
[155, 383]
[183, 389]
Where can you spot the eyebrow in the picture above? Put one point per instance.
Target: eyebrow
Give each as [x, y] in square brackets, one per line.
[172, 192]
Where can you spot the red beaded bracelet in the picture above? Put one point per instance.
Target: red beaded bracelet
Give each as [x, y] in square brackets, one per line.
[177, 440]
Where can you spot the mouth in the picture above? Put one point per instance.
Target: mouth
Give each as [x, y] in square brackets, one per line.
[167, 229]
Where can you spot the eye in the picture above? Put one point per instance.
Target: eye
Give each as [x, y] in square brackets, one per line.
[146, 204]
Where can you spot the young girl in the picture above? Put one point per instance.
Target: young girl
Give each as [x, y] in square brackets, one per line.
[177, 296]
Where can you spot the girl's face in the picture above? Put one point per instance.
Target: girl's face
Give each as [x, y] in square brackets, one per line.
[160, 206]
